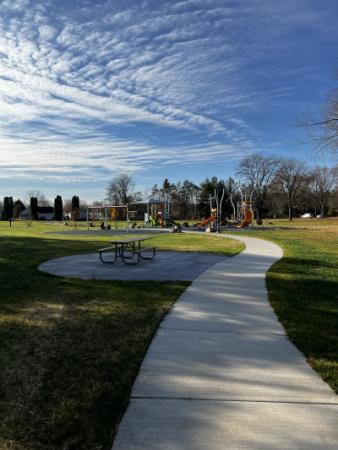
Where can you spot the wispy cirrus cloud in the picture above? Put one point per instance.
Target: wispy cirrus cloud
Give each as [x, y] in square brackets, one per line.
[73, 78]
[92, 158]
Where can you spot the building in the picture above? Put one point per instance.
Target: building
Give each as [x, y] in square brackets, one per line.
[45, 213]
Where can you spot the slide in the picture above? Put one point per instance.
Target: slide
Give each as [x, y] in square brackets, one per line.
[170, 222]
[248, 218]
[206, 221]
[177, 227]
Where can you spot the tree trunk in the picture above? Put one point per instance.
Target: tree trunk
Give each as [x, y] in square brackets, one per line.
[290, 211]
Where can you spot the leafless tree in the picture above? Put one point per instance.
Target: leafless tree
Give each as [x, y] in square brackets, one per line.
[289, 180]
[42, 200]
[323, 130]
[322, 181]
[97, 203]
[120, 190]
[191, 192]
[67, 206]
[257, 171]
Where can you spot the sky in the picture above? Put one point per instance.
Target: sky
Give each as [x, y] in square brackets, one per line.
[90, 89]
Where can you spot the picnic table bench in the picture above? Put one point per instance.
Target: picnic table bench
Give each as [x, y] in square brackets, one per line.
[129, 250]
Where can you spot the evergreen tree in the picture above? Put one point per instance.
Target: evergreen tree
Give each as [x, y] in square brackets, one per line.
[75, 208]
[58, 208]
[34, 208]
[210, 193]
[166, 188]
[155, 191]
[75, 203]
[8, 208]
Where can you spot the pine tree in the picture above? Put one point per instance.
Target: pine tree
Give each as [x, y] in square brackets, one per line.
[58, 208]
[8, 208]
[75, 208]
[34, 208]
[75, 202]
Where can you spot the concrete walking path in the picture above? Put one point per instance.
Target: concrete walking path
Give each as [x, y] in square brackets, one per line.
[221, 374]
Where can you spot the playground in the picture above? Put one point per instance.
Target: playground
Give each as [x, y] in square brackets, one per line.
[154, 213]
[74, 346]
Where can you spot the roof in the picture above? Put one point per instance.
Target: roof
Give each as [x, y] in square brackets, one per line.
[45, 209]
[150, 201]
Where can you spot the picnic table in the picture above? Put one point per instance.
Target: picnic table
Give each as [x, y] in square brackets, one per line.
[129, 250]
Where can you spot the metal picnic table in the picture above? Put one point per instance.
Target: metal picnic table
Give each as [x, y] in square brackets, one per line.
[129, 250]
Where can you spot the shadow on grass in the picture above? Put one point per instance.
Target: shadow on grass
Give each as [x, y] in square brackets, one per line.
[304, 295]
[70, 349]
[64, 385]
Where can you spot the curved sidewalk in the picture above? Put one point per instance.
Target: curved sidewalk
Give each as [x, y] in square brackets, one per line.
[220, 373]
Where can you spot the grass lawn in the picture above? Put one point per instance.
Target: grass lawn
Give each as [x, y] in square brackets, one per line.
[70, 349]
[303, 289]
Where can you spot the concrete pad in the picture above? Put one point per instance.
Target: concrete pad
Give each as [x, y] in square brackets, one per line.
[160, 424]
[221, 373]
[167, 266]
[108, 233]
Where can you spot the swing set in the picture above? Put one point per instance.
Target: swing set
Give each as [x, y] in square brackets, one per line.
[103, 213]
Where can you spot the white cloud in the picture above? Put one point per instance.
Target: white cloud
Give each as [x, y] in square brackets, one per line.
[69, 78]
[47, 32]
[86, 160]
[15, 5]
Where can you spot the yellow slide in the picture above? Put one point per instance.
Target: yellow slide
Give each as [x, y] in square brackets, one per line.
[248, 218]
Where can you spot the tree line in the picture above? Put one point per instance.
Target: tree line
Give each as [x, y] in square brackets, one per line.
[13, 209]
[279, 187]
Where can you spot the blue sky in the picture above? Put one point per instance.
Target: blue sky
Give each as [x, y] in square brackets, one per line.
[177, 89]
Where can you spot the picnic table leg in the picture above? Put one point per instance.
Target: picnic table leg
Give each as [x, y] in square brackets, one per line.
[124, 248]
[131, 259]
[149, 257]
[115, 257]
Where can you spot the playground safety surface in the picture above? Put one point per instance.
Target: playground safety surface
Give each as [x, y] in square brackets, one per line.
[167, 266]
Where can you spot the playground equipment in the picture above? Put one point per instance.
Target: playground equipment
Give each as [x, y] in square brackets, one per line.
[101, 213]
[158, 212]
[247, 214]
[215, 219]
[243, 213]
[210, 219]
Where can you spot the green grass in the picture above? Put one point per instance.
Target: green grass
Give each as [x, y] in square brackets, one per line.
[70, 349]
[303, 289]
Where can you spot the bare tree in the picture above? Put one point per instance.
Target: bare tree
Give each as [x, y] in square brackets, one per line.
[42, 200]
[290, 178]
[322, 181]
[258, 170]
[120, 190]
[67, 206]
[191, 192]
[323, 130]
